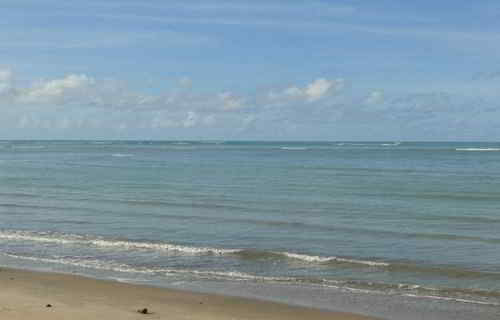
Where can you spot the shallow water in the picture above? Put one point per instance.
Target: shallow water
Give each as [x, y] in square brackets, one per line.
[405, 219]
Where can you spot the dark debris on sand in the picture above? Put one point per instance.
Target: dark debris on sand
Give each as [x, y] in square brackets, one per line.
[143, 311]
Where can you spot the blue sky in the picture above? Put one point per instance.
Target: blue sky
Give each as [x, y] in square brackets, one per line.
[327, 70]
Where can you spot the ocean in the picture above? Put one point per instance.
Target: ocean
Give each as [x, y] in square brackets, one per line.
[299, 222]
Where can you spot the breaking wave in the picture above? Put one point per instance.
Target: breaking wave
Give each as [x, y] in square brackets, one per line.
[71, 239]
[449, 271]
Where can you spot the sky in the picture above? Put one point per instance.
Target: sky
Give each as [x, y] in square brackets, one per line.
[250, 70]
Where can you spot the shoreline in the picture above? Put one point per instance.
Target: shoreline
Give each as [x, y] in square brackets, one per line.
[25, 295]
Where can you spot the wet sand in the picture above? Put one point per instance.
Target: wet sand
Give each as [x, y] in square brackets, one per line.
[26, 294]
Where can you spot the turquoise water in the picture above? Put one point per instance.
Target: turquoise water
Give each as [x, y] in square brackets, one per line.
[407, 219]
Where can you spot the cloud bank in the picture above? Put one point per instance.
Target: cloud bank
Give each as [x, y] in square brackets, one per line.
[82, 106]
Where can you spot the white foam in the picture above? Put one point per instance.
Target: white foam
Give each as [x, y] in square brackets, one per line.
[27, 236]
[391, 144]
[355, 144]
[84, 263]
[122, 155]
[88, 263]
[232, 275]
[161, 247]
[65, 239]
[320, 259]
[477, 149]
[409, 286]
[451, 299]
[294, 148]
[307, 258]
[79, 240]
[120, 267]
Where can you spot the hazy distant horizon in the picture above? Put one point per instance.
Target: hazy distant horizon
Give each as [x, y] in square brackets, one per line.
[250, 140]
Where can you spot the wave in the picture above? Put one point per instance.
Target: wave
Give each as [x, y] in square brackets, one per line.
[477, 149]
[19, 195]
[28, 147]
[373, 144]
[320, 259]
[394, 144]
[86, 262]
[452, 299]
[71, 239]
[280, 255]
[448, 271]
[79, 262]
[294, 148]
[462, 295]
[122, 155]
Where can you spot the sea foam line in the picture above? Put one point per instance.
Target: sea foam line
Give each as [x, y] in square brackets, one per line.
[88, 263]
[65, 239]
[320, 259]
[122, 155]
[240, 276]
[125, 268]
[451, 299]
[294, 148]
[477, 149]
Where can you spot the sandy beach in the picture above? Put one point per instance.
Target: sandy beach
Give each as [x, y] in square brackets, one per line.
[26, 295]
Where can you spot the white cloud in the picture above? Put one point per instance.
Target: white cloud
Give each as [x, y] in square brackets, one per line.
[53, 90]
[6, 78]
[230, 102]
[320, 88]
[82, 104]
[5, 75]
[312, 92]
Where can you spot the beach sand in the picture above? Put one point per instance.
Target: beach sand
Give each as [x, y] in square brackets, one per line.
[26, 294]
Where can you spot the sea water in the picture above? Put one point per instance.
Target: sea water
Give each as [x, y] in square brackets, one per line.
[298, 222]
